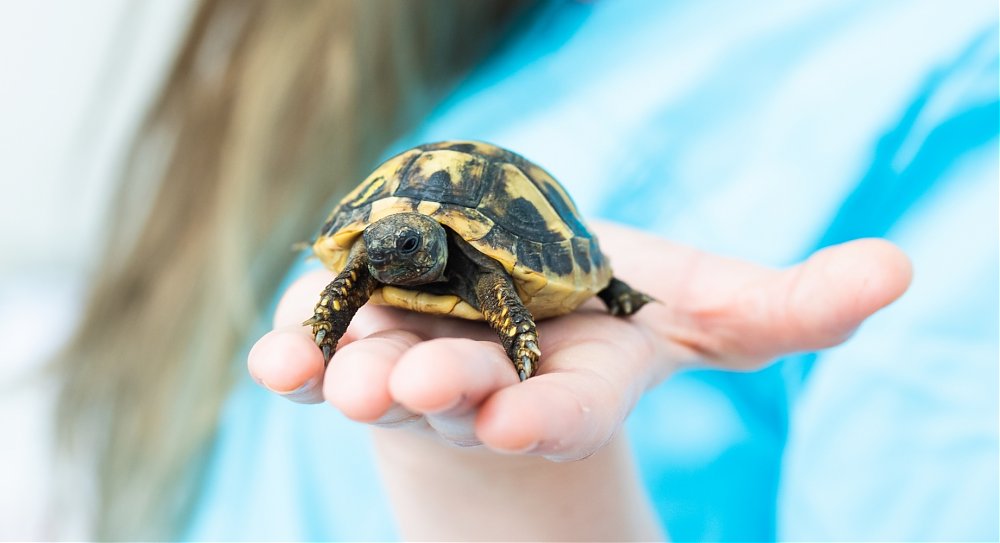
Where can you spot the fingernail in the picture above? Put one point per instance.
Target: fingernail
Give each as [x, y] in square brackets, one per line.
[523, 450]
[310, 383]
[454, 404]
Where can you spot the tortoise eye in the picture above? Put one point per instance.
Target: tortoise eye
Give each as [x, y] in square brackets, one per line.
[408, 242]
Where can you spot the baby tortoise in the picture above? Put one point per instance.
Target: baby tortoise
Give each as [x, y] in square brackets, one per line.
[466, 229]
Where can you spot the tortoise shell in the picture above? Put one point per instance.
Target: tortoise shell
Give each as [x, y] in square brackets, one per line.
[503, 205]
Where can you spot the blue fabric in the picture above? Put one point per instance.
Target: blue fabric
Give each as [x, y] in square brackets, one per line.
[761, 131]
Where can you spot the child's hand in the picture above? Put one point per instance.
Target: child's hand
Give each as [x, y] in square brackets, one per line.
[451, 377]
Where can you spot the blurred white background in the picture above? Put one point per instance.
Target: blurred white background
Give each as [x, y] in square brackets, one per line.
[75, 80]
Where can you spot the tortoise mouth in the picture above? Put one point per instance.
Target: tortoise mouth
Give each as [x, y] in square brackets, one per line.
[394, 274]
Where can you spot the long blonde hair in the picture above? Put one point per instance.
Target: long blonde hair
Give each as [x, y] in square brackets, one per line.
[270, 109]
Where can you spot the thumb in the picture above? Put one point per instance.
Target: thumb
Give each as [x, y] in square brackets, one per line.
[814, 305]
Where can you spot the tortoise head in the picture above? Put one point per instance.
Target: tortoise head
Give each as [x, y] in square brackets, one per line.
[406, 249]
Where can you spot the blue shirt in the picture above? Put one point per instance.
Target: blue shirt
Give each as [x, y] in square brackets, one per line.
[761, 131]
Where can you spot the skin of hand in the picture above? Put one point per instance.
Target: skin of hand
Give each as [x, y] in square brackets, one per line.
[450, 381]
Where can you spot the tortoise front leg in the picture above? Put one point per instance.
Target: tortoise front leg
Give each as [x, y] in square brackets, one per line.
[340, 300]
[504, 311]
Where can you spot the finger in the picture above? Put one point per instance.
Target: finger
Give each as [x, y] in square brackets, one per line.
[576, 404]
[357, 381]
[814, 305]
[837, 288]
[594, 370]
[738, 314]
[287, 362]
[447, 379]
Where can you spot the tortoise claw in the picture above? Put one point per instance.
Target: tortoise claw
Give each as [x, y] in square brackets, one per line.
[525, 367]
[322, 336]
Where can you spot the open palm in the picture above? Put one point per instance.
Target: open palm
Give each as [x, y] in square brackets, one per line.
[452, 378]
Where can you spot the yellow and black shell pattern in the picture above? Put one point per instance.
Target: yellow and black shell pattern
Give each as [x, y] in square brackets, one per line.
[503, 205]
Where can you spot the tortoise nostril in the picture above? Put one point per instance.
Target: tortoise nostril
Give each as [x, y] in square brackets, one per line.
[378, 257]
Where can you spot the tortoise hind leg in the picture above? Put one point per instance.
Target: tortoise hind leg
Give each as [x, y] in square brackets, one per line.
[621, 299]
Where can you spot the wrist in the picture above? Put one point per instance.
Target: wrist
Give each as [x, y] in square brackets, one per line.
[440, 491]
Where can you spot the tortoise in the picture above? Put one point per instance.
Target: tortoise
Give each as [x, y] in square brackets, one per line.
[466, 229]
